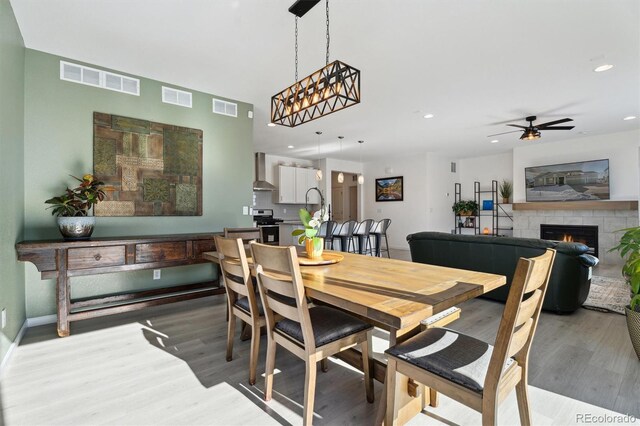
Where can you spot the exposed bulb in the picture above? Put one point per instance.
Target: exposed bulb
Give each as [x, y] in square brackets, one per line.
[340, 177]
[360, 179]
[318, 175]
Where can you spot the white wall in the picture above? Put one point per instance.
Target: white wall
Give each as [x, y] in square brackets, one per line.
[428, 194]
[620, 148]
[328, 165]
[484, 169]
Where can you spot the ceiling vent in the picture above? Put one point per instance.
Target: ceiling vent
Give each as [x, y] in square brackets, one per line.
[225, 108]
[99, 78]
[176, 97]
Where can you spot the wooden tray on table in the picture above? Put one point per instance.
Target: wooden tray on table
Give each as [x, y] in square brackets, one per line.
[327, 258]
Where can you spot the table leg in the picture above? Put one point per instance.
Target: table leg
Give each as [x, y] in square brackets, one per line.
[407, 406]
[62, 294]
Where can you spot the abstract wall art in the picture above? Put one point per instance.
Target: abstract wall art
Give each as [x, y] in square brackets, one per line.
[149, 169]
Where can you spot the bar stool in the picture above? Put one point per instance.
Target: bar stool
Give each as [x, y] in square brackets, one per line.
[362, 231]
[345, 234]
[379, 231]
[326, 231]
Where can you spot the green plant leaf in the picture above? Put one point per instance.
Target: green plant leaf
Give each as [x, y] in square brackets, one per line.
[297, 232]
[635, 302]
[305, 216]
[301, 239]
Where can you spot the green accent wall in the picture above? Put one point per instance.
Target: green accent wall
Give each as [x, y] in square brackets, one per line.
[12, 292]
[59, 142]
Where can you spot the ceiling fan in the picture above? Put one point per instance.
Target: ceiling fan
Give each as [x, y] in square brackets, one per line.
[532, 132]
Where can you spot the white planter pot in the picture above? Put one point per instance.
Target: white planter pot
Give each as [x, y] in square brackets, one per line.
[77, 227]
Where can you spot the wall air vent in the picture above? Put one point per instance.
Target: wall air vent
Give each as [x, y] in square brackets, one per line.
[176, 97]
[225, 108]
[99, 78]
[453, 167]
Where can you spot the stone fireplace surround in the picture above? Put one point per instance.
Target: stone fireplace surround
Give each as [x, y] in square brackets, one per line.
[526, 224]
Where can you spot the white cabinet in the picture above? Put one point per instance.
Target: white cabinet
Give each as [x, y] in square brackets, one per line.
[293, 183]
[286, 193]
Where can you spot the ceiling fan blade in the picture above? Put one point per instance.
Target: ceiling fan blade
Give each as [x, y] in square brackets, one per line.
[497, 134]
[551, 123]
[517, 125]
[559, 128]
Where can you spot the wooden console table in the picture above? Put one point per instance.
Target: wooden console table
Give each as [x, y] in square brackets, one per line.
[62, 260]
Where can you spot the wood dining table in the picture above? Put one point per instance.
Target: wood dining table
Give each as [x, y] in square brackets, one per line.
[394, 295]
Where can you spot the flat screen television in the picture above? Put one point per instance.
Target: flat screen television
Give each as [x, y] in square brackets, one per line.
[580, 181]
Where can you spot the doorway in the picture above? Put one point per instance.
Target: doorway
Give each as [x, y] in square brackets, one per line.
[344, 197]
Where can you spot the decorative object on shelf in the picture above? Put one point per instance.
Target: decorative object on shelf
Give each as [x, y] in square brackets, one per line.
[487, 204]
[629, 248]
[390, 189]
[332, 88]
[579, 181]
[313, 244]
[465, 208]
[506, 189]
[340, 175]
[73, 207]
[532, 132]
[154, 169]
[470, 222]
[485, 231]
[360, 176]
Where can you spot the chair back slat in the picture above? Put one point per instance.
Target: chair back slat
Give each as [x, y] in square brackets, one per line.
[246, 234]
[520, 317]
[279, 279]
[520, 337]
[528, 308]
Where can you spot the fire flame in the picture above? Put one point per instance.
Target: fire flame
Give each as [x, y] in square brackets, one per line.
[567, 238]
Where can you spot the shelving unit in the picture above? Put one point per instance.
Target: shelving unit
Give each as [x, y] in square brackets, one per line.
[501, 218]
[459, 220]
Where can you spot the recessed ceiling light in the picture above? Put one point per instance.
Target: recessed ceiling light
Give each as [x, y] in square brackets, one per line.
[428, 116]
[271, 124]
[291, 147]
[584, 132]
[605, 67]
[631, 117]
[495, 141]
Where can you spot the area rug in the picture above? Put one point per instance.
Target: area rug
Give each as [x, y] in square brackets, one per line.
[608, 295]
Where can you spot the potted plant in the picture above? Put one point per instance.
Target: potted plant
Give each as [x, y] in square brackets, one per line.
[465, 208]
[629, 248]
[313, 244]
[506, 189]
[72, 208]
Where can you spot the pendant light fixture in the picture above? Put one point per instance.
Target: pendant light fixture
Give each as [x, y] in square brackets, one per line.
[333, 87]
[340, 175]
[318, 172]
[361, 176]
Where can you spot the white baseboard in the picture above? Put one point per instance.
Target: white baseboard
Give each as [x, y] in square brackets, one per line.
[46, 319]
[15, 343]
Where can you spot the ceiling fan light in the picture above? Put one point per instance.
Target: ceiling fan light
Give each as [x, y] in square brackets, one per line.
[340, 177]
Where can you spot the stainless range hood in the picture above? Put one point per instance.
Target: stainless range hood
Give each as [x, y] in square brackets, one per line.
[260, 184]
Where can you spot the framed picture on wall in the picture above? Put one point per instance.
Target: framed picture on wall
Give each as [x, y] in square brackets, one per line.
[389, 189]
[580, 181]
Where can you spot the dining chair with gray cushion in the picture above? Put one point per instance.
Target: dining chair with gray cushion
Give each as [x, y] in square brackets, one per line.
[311, 333]
[469, 370]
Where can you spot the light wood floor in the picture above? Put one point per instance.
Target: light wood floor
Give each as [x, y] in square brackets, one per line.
[166, 365]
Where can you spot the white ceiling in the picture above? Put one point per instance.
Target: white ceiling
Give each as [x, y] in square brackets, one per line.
[476, 64]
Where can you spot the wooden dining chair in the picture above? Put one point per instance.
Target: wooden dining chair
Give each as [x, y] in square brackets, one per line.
[469, 370]
[242, 299]
[312, 334]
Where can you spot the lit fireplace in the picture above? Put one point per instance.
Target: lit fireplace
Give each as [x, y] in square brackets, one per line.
[584, 234]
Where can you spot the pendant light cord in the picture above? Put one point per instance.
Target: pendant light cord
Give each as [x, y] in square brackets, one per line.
[296, 47]
[328, 37]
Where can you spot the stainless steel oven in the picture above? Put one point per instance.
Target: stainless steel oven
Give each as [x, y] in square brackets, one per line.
[268, 225]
